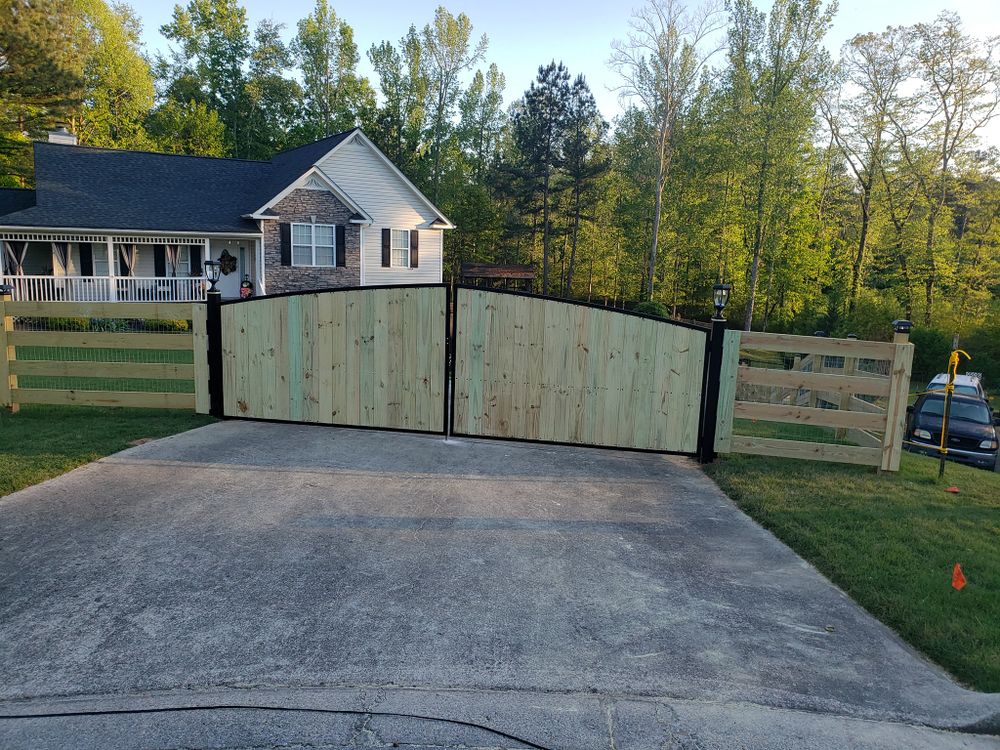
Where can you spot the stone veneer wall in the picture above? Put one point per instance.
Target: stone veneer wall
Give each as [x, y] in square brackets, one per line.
[300, 206]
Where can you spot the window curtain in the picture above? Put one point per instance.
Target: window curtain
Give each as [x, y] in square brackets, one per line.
[127, 256]
[15, 252]
[60, 251]
[172, 252]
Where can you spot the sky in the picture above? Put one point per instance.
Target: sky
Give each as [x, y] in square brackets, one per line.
[524, 34]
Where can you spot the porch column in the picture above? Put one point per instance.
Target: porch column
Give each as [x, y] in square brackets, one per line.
[112, 283]
[258, 247]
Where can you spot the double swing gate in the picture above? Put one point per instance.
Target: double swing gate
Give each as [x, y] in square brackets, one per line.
[473, 362]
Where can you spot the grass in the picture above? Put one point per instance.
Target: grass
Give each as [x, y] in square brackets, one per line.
[40, 442]
[787, 431]
[890, 541]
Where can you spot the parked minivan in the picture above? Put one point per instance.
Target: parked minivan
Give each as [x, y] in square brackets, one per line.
[972, 429]
[970, 384]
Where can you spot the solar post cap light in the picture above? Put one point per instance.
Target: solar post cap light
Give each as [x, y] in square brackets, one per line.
[6, 289]
[720, 297]
[213, 270]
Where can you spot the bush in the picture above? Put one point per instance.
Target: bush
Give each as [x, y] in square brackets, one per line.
[650, 307]
[172, 326]
[931, 349]
[55, 324]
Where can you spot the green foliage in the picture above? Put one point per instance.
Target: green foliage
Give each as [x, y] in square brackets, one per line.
[651, 307]
[186, 128]
[931, 348]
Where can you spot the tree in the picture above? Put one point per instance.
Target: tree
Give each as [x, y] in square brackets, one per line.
[192, 128]
[874, 69]
[585, 129]
[446, 56]
[118, 82]
[659, 64]
[335, 98]
[960, 95]
[273, 100]
[539, 124]
[41, 78]
[777, 68]
[208, 65]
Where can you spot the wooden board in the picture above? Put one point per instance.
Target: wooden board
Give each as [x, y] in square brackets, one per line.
[199, 331]
[895, 430]
[369, 357]
[105, 398]
[784, 342]
[6, 355]
[808, 415]
[850, 454]
[861, 384]
[540, 369]
[729, 375]
[127, 310]
[91, 340]
[58, 368]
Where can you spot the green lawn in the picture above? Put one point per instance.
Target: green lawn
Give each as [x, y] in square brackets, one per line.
[891, 541]
[40, 442]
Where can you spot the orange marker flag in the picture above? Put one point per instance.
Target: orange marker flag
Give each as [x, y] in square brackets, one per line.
[957, 578]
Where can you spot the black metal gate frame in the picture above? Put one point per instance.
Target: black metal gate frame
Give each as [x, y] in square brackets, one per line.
[709, 386]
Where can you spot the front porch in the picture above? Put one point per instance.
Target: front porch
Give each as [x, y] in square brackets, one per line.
[63, 267]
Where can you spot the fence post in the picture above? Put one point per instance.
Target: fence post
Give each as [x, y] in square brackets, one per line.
[899, 393]
[213, 315]
[7, 381]
[713, 380]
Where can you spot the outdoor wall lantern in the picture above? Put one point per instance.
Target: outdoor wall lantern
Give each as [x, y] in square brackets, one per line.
[213, 270]
[720, 296]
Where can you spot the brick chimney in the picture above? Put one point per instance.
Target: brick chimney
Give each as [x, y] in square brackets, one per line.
[63, 136]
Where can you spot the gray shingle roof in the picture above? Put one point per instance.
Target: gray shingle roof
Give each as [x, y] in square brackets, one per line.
[95, 188]
[15, 199]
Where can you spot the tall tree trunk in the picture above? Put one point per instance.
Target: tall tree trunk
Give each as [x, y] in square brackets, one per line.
[657, 204]
[758, 230]
[859, 259]
[545, 233]
[572, 254]
[907, 286]
[931, 269]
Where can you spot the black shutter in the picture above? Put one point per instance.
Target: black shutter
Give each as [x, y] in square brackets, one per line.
[414, 248]
[86, 259]
[285, 240]
[341, 249]
[159, 260]
[386, 251]
[196, 261]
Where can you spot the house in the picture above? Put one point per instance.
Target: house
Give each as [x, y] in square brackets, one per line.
[108, 225]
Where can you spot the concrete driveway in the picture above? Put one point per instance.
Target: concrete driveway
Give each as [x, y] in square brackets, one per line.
[263, 585]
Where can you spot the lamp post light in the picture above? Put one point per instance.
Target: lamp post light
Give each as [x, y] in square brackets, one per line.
[213, 272]
[720, 298]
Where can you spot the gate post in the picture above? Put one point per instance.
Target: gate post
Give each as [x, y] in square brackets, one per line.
[213, 320]
[710, 397]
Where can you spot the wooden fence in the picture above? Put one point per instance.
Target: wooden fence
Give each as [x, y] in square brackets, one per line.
[801, 390]
[103, 354]
[366, 357]
[532, 368]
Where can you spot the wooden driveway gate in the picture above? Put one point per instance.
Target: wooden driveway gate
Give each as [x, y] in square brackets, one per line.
[532, 368]
[371, 357]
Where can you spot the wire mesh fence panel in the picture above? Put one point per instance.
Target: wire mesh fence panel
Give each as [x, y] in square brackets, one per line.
[67, 358]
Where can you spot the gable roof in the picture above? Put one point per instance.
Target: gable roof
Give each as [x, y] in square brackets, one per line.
[81, 187]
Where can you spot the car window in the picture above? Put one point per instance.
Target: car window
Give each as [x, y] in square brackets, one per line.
[961, 410]
[968, 390]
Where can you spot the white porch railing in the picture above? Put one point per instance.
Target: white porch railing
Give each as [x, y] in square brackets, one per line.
[106, 288]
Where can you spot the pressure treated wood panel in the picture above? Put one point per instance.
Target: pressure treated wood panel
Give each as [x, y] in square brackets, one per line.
[89, 340]
[105, 398]
[858, 384]
[369, 357]
[6, 354]
[892, 441]
[786, 342]
[729, 374]
[199, 332]
[808, 415]
[129, 310]
[158, 371]
[849, 454]
[539, 369]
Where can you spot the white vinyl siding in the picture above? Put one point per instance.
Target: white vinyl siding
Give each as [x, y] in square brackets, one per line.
[392, 204]
[314, 245]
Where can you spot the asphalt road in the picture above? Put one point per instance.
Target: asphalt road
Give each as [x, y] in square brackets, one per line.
[263, 585]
